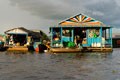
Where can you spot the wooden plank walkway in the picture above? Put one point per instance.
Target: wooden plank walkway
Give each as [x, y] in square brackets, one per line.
[100, 49]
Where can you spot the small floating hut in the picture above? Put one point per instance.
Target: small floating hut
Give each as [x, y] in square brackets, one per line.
[21, 38]
[116, 40]
[2, 41]
[81, 33]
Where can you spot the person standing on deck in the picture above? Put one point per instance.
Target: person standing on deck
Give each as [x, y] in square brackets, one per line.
[79, 41]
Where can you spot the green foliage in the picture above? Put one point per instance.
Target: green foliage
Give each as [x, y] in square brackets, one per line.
[71, 44]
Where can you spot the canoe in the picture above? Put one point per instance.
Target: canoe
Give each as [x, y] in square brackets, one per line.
[65, 50]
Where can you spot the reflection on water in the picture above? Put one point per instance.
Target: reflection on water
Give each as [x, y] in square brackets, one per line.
[62, 66]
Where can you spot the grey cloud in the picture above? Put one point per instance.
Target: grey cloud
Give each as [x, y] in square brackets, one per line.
[51, 9]
[105, 10]
[110, 11]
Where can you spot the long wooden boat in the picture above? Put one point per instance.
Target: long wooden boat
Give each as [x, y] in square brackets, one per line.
[65, 50]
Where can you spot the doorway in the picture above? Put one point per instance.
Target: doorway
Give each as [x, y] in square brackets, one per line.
[79, 35]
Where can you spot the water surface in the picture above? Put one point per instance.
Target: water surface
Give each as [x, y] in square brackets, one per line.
[63, 66]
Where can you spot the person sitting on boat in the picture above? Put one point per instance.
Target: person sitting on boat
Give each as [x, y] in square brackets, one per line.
[48, 45]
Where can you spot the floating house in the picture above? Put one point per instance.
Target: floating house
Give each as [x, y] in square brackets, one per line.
[81, 32]
[2, 41]
[116, 40]
[21, 38]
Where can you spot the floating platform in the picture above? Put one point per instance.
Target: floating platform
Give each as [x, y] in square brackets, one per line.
[86, 49]
[17, 48]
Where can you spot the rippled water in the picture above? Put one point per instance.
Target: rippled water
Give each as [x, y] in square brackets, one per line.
[66, 66]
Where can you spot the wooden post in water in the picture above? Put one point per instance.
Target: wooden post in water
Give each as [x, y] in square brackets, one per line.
[111, 36]
[61, 42]
[51, 37]
[101, 36]
[72, 35]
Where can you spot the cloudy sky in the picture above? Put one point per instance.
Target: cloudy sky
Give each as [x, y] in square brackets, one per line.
[41, 14]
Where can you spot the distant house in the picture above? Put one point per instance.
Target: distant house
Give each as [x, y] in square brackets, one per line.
[22, 36]
[2, 37]
[116, 40]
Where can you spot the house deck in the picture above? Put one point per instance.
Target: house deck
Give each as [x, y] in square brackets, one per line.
[17, 48]
[100, 49]
[75, 50]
